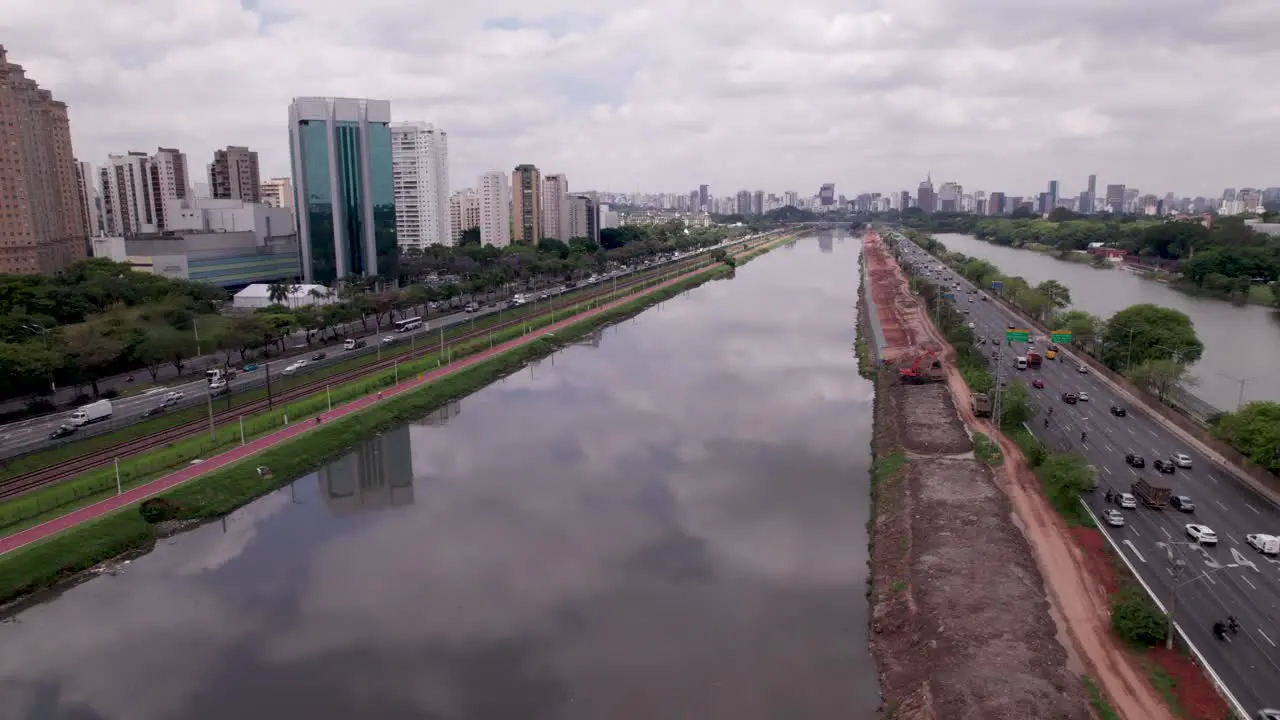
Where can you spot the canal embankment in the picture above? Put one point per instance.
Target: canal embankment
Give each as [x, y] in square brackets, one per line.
[962, 625]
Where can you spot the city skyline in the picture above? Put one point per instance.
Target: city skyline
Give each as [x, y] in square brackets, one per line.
[603, 95]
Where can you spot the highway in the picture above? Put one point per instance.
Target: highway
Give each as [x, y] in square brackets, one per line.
[1212, 582]
[27, 436]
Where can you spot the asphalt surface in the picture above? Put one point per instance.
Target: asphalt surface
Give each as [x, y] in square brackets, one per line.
[1212, 582]
[26, 436]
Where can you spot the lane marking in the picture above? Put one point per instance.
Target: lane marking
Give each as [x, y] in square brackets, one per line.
[1206, 577]
[1232, 538]
[1104, 467]
[1133, 549]
[1134, 530]
[1264, 635]
[1166, 532]
[1214, 479]
[1130, 431]
[1254, 509]
[1219, 503]
[1246, 582]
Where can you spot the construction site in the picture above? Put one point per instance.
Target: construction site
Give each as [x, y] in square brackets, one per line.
[980, 607]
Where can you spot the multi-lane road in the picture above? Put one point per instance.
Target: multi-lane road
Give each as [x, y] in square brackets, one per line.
[1210, 582]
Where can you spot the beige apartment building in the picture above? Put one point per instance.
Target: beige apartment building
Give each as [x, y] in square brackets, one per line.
[41, 221]
[555, 207]
[526, 205]
[234, 175]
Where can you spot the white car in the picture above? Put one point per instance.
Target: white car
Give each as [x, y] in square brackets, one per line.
[1266, 544]
[1114, 518]
[1082, 368]
[1202, 534]
[295, 367]
[388, 339]
[972, 326]
[172, 397]
[1128, 501]
[1082, 396]
[1182, 460]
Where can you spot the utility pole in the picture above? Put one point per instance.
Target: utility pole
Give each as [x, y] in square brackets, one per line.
[267, 366]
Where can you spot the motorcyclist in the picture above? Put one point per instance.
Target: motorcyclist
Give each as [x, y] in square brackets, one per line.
[1220, 630]
[1050, 412]
[1110, 495]
[1083, 436]
[1232, 625]
[1046, 422]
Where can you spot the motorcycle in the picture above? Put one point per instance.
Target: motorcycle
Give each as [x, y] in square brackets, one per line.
[1220, 631]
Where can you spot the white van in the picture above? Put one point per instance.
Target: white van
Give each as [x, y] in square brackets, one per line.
[1022, 363]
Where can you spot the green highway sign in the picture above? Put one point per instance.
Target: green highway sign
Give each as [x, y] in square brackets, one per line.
[1062, 337]
[1017, 335]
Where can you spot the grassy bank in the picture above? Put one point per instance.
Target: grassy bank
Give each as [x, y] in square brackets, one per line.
[209, 496]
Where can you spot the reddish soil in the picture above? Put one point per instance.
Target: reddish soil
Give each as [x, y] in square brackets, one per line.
[1195, 693]
[886, 279]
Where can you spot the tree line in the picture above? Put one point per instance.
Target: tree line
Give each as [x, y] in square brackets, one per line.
[1152, 346]
[100, 318]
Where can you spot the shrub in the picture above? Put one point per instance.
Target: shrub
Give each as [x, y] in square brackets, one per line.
[1136, 620]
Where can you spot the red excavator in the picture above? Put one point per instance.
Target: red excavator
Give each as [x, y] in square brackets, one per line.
[926, 369]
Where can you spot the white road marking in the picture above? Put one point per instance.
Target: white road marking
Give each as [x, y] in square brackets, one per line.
[1210, 579]
[1243, 561]
[1134, 530]
[1104, 467]
[1166, 533]
[1232, 538]
[1246, 582]
[1254, 509]
[1214, 479]
[1134, 550]
[1264, 635]
[1130, 431]
[1219, 502]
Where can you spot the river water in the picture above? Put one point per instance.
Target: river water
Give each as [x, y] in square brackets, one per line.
[666, 522]
[1241, 343]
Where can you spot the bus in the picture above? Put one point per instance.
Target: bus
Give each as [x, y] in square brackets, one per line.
[409, 324]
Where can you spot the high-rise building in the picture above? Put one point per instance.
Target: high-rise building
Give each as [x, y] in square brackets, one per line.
[129, 204]
[1093, 195]
[1115, 198]
[420, 172]
[579, 216]
[949, 197]
[827, 195]
[234, 175]
[41, 223]
[1053, 195]
[90, 199]
[277, 192]
[995, 204]
[757, 202]
[495, 209]
[925, 198]
[344, 197]
[791, 197]
[555, 207]
[704, 198]
[464, 213]
[904, 200]
[170, 184]
[526, 205]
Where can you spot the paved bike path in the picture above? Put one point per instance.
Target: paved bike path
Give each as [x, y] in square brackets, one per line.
[141, 492]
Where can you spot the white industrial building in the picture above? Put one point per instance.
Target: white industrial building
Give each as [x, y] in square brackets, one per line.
[420, 174]
[258, 296]
[495, 209]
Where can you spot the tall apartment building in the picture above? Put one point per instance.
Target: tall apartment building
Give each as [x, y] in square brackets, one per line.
[827, 195]
[42, 223]
[495, 209]
[90, 199]
[1093, 195]
[526, 205]
[344, 196]
[704, 198]
[420, 173]
[129, 204]
[277, 192]
[169, 181]
[555, 208]
[1053, 195]
[791, 197]
[583, 221]
[757, 202]
[996, 204]
[949, 196]
[234, 175]
[464, 213]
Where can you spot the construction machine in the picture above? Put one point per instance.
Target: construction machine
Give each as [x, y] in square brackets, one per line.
[926, 369]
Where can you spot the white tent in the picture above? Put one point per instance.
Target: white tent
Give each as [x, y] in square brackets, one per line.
[258, 295]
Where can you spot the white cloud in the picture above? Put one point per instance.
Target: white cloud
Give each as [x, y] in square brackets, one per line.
[869, 94]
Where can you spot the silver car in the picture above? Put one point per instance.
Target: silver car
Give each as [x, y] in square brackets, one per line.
[1113, 517]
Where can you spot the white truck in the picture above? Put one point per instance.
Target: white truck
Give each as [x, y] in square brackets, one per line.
[93, 412]
[1265, 544]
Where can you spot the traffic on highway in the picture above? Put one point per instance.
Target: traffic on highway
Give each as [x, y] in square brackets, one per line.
[1206, 553]
[33, 435]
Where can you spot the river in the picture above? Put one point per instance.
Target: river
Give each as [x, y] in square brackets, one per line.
[1241, 343]
[665, 522]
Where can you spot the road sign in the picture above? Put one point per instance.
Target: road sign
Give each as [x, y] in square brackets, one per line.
[1061, 337]
[1017, 335]
[997, 285]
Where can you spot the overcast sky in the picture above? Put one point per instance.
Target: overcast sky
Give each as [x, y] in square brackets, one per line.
[663, 95]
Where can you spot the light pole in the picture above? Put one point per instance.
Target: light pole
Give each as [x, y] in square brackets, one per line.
[1243, 381]
[1176, 566]
[44, 333]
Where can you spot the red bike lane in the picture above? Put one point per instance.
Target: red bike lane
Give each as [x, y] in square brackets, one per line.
[49, 528]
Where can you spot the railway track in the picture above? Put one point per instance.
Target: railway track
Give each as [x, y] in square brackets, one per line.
[26, 482]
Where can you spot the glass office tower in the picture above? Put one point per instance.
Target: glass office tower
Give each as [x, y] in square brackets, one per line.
[340, 151]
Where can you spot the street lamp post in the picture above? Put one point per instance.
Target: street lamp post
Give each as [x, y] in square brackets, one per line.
[44, 333]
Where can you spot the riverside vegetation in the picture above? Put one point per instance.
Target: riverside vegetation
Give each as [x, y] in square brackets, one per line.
[209, 496]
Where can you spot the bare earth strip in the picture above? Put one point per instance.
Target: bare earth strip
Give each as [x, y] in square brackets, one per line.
[982, 607]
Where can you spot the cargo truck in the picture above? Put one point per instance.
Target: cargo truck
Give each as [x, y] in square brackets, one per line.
[91, 413]
[1153, 496]
[1034, 359]
[981, 404]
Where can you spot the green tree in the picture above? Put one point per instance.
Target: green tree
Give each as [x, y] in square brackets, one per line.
[1161, 376]
[1084, 327]
[90, 350]
[1058, 295]
[1254, 430]
[1016, 404]
[162, 344]
[1149, 332]
[470, 236]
